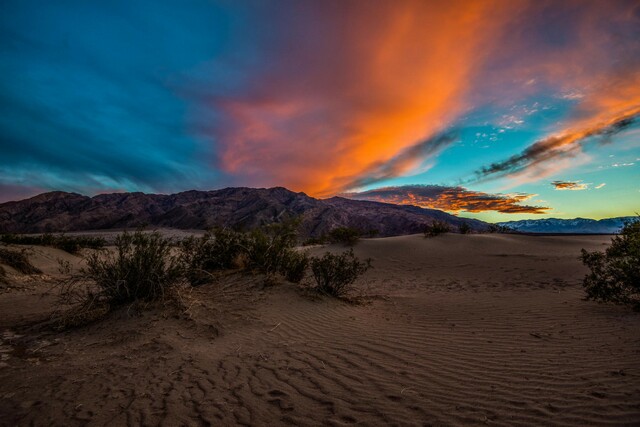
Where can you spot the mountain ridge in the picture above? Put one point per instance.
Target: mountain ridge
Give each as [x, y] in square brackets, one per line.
[236, 207]
[574, 225]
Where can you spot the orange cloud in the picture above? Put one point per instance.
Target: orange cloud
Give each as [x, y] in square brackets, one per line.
[353, 90]
[390, 75]
[452, 199]
[570, 185]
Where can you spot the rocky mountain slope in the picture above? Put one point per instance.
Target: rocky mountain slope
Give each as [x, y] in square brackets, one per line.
[576, 225]
[242, 208]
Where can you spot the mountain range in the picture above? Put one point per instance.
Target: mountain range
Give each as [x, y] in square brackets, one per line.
[239, 208]
[576, 225]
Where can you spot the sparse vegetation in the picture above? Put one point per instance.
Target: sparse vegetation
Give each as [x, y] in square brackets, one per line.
[346, 235]
[61, 241]
[141, 268]
[18, 260]
[436, 228]
[218, 249]
[495, 228]
[334, 274]
[269, 250]
[615, 273]
[464, 228]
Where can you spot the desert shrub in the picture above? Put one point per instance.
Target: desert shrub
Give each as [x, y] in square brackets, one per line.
[66, 243]
[615, 273]
[142, 268]
[18, 260]
[334, 274]
[218, 249]
[346, 235]
[464, 228]
[294, 266]
[436, 228]
[495, 228]
[271, 248]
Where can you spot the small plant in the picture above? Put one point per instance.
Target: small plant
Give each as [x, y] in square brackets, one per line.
[142, 268]
[615, 273]
[345, 235]
[464, 228]
[18, 260]
[495, 228]
[271, 249]
[436, 228]
[294, 266]
[218, 249]
[334, 274]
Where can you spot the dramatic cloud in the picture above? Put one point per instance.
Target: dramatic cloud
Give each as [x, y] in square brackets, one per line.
[407, 160]
[452, 199]
[319, 96]
[567, 144]
[570, 185]
[370, 81]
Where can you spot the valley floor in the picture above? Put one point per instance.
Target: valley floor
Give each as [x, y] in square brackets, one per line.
[453, 330]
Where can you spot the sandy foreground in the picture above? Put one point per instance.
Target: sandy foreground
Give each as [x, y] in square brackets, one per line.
[454, 330]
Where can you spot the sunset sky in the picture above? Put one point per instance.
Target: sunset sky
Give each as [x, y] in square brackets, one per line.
[497, 110]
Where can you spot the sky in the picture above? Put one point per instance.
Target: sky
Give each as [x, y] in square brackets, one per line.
[496, 110]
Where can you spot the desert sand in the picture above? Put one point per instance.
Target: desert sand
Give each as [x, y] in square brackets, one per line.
[454, 330]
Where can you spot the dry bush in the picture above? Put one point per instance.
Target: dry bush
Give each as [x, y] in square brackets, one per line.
[269, 250]
[218, 249]
[334, 274]
[615, 273]
[464, 228]
[348, 236]
[18, 260]
[141, 268]
[436, 228]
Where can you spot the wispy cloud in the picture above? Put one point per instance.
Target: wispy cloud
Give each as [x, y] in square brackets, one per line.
[409, 159]
[452, 199]
[570, 185]
[566, 144]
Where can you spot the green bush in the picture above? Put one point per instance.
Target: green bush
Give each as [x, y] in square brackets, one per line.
[436, 228]
[345, 235]
[218, 249]
[294, 266]
[18, 260]
[66, 243]
[142, 268]
[615, 273]
[334, 274]
[269, 249]
[464, 228]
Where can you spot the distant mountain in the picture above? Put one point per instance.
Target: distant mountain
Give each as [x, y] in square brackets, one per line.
[240, 208]
[576, 225]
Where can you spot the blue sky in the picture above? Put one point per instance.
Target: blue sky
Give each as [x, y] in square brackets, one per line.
[332, 97]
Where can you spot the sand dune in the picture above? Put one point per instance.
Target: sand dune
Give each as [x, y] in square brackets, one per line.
[456, 330]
